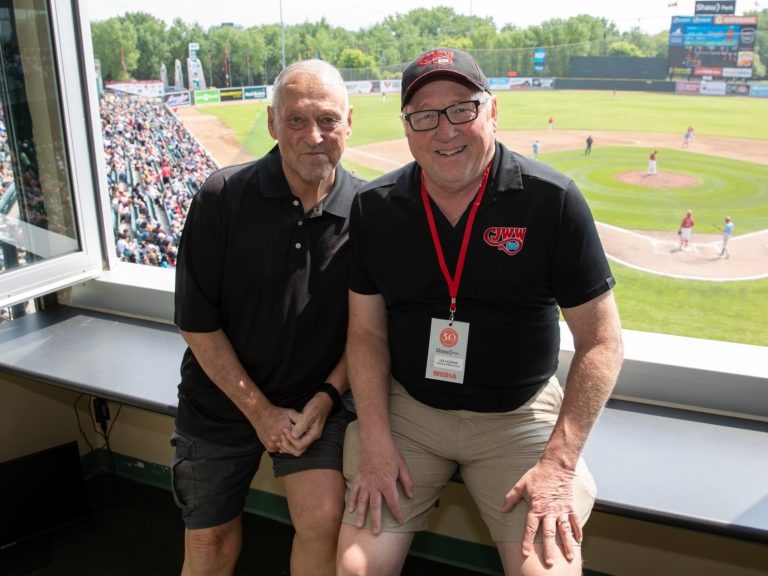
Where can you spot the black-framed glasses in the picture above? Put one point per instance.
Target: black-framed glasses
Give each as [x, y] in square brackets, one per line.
[459, 113]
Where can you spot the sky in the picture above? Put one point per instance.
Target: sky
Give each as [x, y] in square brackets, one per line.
[651, 16]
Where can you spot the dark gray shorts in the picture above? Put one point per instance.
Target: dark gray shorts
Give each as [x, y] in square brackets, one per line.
[210, 481]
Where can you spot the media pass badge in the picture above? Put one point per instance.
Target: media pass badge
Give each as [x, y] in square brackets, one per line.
[447, 354]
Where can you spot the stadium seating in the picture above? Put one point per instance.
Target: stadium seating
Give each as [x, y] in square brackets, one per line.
[140, 138]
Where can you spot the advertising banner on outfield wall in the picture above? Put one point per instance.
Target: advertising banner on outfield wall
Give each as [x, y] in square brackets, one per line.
[687, 87]
[230, 94]
[206, 96]
[254, 93]
[737, 90]
[146, 88]
[759, 90]
[713, 88]
[390, 85]
[359, 87]
[177, 99]
[501, 83]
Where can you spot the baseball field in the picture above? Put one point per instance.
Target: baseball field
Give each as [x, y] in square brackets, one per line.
[660, 288]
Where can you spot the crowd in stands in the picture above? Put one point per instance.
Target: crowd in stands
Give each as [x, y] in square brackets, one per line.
[154, 168]
[11, 237]
[6, 169]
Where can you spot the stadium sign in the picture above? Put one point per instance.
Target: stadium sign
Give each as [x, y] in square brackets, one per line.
[231, 94]
[177, 98]
[713, 46]
[715, 7]
[255, 93]
[207, 96]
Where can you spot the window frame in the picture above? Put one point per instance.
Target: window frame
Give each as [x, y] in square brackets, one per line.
[46, 276]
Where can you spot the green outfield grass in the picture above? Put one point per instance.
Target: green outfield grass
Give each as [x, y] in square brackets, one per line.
[730, 311]
[733, 117]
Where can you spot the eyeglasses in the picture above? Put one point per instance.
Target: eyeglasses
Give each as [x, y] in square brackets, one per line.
[459, 113]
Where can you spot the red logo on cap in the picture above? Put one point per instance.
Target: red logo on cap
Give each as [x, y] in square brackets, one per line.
[437, 58]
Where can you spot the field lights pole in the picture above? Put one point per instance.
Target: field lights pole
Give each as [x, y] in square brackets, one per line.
[282, 32]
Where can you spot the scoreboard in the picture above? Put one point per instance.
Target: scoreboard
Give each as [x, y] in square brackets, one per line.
[715, 46]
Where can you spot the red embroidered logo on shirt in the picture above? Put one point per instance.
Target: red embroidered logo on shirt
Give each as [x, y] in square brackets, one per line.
[506, 238]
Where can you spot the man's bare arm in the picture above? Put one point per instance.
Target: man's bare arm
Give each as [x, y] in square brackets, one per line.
[548, 486]
[381, 464]
[216, 356]
[597, 358]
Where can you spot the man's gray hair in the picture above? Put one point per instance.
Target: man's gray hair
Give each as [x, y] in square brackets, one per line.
[313, 66]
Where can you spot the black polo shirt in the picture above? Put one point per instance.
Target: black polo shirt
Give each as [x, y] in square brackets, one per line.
[534, 247]
[272, 278]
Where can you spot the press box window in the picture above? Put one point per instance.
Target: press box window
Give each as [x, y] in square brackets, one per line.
[42, 240]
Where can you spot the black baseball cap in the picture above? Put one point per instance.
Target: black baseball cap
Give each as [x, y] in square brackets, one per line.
[441, 62]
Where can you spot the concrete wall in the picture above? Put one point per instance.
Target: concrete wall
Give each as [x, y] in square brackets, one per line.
[34, 416]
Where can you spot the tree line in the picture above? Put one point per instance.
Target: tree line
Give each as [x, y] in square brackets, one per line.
[135, 45]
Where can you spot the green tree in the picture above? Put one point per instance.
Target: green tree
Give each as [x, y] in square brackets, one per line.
[139, 43]
[622, 48]
[273, 53]
[253, 53]
[514, 52]
[354, 58]
[219, 49]
[115, 45]
[578, 36]
[482, 33]
[647, 45]
[758, 67]
[761, 43]
[151, 42]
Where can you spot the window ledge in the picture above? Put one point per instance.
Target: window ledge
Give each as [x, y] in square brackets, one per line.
[650, 462]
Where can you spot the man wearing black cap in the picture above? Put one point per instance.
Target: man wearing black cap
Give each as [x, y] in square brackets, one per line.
[462, 262]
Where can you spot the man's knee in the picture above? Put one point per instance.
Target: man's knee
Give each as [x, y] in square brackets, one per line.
[362, 553]
[515, 564]
[352, 562]
[320, 522]
[212, 550]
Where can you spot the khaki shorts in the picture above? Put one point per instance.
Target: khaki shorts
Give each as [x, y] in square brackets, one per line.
[492, 451]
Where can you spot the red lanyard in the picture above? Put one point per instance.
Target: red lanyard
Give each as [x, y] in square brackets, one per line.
[453, 281]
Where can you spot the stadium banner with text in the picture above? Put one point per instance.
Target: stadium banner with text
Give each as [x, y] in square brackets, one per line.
[721, 46]
[715, 7]
[759, 90]
[230, 94]
[146, 88]
[737, 90]
[255, 93]
[713, 88]
[360, 87]
[390, 85]
[501, 83]
[177, 98]
[207, 96]
[687, 87]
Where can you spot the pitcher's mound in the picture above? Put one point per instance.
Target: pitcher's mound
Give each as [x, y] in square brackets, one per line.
[660, 180]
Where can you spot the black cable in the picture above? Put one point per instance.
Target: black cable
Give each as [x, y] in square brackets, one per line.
[80, 426]
[103, 430]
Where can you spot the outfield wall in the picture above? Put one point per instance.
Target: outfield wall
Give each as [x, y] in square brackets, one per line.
[383, 87]
[667, 86]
